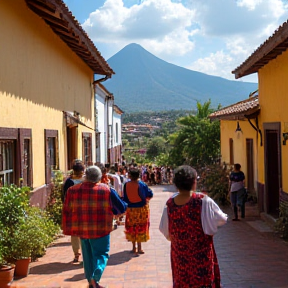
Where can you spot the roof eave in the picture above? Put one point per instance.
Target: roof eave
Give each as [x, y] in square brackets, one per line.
[269, 50]
[56, 15]
[248, 114]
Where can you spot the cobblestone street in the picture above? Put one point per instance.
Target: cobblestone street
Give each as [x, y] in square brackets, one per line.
[249, 253]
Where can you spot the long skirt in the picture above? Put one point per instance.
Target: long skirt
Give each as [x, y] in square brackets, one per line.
[137, 224]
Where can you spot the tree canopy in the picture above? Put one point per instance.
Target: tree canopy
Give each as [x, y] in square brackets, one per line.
[197, 142]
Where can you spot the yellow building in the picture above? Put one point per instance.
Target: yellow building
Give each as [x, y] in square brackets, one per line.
[270, 131]
[47, 74]
[239, 137]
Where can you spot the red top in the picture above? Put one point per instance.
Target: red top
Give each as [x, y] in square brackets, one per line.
[193, 259]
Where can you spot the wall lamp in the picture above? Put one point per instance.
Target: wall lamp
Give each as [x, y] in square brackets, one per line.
[285, 137]
[238, 129]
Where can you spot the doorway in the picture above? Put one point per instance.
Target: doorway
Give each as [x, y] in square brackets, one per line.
[250, 165]
[273, 174]
[71, 145]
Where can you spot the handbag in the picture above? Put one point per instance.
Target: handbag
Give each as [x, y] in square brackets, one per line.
[164, 223]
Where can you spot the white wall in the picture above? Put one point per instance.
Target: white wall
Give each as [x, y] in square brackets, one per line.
[117, 120]
[101, 124]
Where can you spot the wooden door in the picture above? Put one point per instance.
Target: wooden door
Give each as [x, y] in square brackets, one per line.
[250, 165]
[272, 170]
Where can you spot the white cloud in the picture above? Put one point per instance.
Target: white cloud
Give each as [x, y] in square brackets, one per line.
[226, 17]
[160, 25]
[217, 64]
[175, 29]
[250, 4]
[242, 25]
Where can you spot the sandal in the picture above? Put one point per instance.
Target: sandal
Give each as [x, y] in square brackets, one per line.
[134, 251]
[76, 258]
[141, 252]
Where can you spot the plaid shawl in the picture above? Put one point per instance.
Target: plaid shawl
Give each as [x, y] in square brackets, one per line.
[87, 210]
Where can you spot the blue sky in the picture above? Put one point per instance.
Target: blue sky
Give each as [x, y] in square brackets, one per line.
[209, 36]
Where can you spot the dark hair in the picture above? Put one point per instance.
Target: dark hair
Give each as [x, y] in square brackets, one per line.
[134, 173]
[103, 170]
[112, 170]
[237, 166]
[184, 177]
[78, 167]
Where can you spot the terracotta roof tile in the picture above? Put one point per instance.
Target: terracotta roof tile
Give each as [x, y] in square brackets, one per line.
[269, 50]
[57, 15]
[237, 110]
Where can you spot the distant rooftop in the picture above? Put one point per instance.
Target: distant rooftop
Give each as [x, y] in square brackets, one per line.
[238, 111]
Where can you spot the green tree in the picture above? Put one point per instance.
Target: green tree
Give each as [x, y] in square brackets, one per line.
[198, 140]
[155, 147]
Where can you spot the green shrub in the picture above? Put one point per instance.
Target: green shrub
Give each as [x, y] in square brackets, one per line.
[3, 246]
[55, 199]
[214, 179]
[24, 230]
[13, 203]
[33, 235]
[281, 225]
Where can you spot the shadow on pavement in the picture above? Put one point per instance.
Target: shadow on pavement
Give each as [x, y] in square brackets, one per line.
[77, 277]
[53, 268]
[60, 244]
[167, 188]
[120, 258]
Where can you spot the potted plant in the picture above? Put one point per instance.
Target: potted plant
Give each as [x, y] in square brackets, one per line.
[6, 269]
[28, 230]
[21, 248]
[30, 238]
[6, 274]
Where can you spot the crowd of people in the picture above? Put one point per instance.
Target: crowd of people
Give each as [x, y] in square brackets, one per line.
[96, 198]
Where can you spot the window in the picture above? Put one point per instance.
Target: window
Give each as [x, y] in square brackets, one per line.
[117, 133]
[98, 147]
[51, 149]
[25, 139]
[7, 161]
[87, 148]
[15, 156]
[27, 177]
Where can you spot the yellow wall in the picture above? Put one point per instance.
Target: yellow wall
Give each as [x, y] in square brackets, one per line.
[39, 78]
[273, 87]
[239, 142]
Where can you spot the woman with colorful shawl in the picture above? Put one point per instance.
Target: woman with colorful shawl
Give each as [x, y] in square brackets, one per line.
[137, 194]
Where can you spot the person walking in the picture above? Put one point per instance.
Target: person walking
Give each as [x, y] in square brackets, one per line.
[237, 191]
[104, 178]
[191, 221]
[76, 177]
[88, 213]
[137, 194]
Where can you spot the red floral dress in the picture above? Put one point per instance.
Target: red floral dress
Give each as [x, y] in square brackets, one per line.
[193, 258]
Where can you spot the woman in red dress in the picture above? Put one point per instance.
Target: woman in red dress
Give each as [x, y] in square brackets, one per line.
[193, 258]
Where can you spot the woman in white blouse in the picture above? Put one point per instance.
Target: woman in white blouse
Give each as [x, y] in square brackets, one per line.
[189, 221]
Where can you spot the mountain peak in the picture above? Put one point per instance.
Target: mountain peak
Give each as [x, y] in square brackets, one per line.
[144, 82]
[132, 49]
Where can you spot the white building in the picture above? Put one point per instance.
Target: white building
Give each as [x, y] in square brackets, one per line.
[108, 127]
[116, 141]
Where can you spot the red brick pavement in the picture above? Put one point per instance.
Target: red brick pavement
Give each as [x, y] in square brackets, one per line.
[248, 258]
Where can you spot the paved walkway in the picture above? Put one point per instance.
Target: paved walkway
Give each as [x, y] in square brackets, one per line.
[249, 254]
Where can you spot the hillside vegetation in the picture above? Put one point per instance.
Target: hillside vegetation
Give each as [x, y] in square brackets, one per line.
[144, 82]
